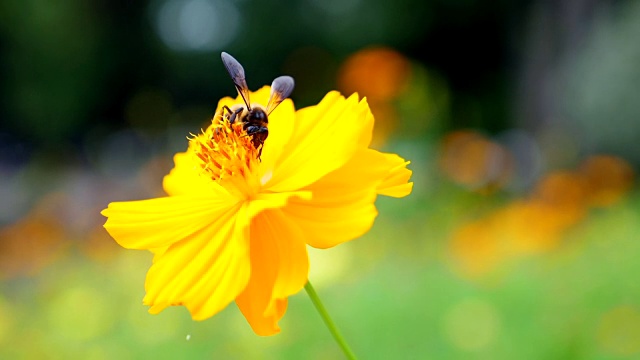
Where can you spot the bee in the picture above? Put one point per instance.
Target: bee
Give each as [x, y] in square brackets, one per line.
[254, 119]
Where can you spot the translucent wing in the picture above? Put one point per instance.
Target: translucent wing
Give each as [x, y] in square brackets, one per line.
[281, 88]
[236, 71]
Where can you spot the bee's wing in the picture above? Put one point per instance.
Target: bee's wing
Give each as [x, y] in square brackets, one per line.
[236, 71]
[281, 88]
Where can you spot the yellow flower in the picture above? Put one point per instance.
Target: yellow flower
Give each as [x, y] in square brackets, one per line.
[236, 227]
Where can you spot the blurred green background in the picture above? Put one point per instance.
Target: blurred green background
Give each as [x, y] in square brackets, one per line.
[521, 120]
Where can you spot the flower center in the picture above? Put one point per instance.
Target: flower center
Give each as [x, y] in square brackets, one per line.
[226, 151]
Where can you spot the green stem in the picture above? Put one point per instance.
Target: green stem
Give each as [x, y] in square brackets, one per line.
[327, 320]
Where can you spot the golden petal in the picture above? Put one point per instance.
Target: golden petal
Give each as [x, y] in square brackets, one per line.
[342, 205]
[205, 271]
[157, 223]
[279, 268]
[367, 125]
[185, 178]
[396, 182]
[325, 137]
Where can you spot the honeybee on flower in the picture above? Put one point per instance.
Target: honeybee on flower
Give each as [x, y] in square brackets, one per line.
[241, 208]
[254, 118]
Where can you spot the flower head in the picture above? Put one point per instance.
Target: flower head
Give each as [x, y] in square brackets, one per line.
[235, 224]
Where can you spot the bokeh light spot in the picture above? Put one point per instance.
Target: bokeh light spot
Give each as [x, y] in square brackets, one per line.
[609, 178]
[528, 161]
[197, 25]
[380, 74]
[563, 189]
[471, 160]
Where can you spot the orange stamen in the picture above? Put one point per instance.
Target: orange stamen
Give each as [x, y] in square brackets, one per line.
[225, 151]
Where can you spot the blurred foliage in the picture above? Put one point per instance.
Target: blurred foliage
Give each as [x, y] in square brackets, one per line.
[520, 239]
[400, 299]
[71, 67]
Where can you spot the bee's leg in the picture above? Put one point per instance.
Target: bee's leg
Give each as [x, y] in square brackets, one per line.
[226, 112]
[234, 115]
[258, 136]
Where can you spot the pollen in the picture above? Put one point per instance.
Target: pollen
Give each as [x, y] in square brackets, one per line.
[225, 151]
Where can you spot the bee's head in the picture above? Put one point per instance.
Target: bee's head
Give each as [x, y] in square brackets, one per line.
[257, 115]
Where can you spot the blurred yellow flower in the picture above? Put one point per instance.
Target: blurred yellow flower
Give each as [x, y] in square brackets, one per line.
[235, 227]
[537, 224]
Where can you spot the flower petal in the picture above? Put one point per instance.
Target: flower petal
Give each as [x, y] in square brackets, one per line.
[208, 268]
[367, 126]
[342, 207]
[274, 201]
[185, 178]
[279, 268]
[325, 137]
[396, 183]
[204, 271]
[158, 223]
